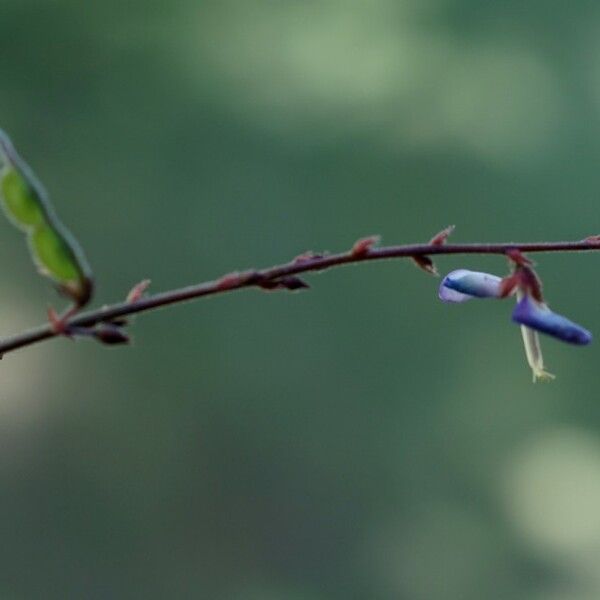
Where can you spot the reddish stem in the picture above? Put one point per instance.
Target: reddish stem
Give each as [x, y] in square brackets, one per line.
[307, 264]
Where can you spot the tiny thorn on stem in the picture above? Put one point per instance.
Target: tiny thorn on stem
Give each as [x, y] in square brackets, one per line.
[306, 257]
[137, 291]
[439, 239]
[229, 281]
[110, 334]
[362, 246]
[426, 264]
[291, 282]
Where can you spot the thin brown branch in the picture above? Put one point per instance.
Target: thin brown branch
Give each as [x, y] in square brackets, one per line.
[270, 277]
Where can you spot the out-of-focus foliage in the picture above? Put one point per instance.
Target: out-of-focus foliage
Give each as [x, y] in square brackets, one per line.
[359, 440]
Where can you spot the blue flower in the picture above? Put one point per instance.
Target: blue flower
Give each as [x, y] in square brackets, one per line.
[463, 285]
[531, 313]
[536, 315]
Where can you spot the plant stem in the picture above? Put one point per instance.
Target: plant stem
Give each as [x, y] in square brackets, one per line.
[263, 277]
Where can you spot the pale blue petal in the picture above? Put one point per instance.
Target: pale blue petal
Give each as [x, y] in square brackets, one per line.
[447, 294]
[471, 284]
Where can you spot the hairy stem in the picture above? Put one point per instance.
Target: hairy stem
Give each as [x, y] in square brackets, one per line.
[262, 278]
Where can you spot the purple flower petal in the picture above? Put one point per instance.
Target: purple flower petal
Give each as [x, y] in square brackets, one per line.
[462, 285]
[538, 316]
[446, 294]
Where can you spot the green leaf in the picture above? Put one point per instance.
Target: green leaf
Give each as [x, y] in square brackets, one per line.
[21, 201]
[53, 249]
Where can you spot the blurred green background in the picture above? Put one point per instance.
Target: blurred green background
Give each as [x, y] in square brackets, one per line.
[358, 441]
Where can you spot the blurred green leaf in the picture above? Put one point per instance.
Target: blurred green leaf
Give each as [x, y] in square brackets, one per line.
[21, 202]
[54, 250]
